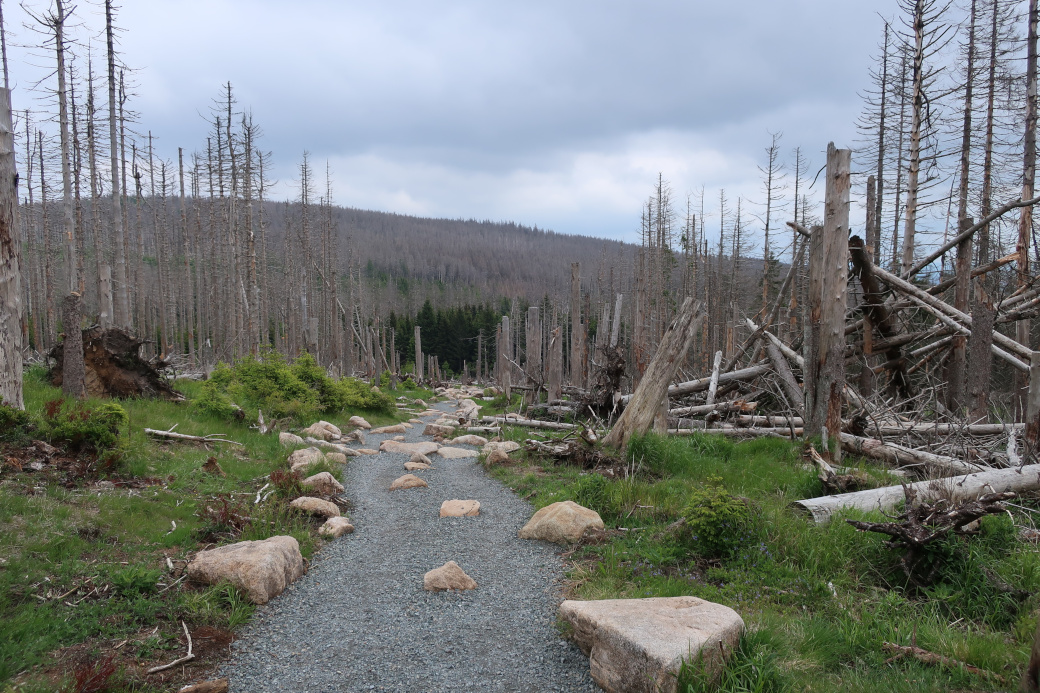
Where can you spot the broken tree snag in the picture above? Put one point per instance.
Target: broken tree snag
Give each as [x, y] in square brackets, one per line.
[792, 390]
[113, 367]
[878, 315]
[900, 456]
[73, 376]
[954, 489]
[1032, 437]
[10, 266]
[828, 279]
[645, 404]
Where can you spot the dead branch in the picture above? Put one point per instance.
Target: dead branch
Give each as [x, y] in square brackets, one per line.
[186, 658]
[211, 438]
[926, 657]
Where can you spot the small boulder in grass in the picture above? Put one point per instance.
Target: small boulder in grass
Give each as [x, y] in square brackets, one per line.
[448, 577]
[641, 644]
[561, 523]
[408, 481]
[360, 422]
[470, 440]
[302, 459]
[460, 508]
[289, 439]
[336, 527]
[497, 456]
[336, 457]
[316, 506]
[262, 569]
[323, 483]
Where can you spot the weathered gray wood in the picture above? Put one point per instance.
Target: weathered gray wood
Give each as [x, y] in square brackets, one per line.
[1032, 437]
[792, 390]
[900, 456]
[701, 384]
[577, 329]
[954, 489]
[419, 370]
[713, 384]
[10, 266]
[645, 403]
[615, 330]
[720, 407]
[950, 316]
[505, 357]
[533, 362]
[73, 373]
[105, 296]
[828, 280]
[555, 383]
[530, 423]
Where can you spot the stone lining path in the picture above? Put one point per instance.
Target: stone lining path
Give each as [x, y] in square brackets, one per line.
[360, 620]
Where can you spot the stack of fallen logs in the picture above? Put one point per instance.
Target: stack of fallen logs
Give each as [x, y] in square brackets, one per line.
[911, 430]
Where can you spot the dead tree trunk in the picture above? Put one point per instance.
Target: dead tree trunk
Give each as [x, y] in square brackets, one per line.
[879, 316]
[533, 362]
[577, 331]
[73, 381]
[505, 357]
[418, 355]
[1025, 219]
[10, 267]
[556, 365]
[645, 404]
[828, 270]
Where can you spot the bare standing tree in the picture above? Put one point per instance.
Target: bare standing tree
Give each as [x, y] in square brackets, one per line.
[121, 297]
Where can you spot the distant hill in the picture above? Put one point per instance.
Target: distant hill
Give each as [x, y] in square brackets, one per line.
[404, 260]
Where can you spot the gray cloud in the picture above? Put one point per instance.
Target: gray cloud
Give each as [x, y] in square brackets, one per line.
[547, 113]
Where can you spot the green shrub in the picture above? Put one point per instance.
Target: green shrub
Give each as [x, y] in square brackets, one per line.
[359, 395]
[14, 423]
[408, 383]
[718, 524]
[135, 581]
[79, 427]
[300, 391]
[213, 401]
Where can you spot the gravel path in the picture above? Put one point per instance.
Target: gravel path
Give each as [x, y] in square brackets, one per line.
[361, 621]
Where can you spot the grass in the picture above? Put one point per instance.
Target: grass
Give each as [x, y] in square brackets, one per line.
[818, 601]
[63, 535]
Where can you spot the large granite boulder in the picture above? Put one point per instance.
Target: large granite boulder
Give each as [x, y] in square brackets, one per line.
[638, 645]
[561, 523]
[336, 527]
[360, 423]
[261, 569]
[396, 428]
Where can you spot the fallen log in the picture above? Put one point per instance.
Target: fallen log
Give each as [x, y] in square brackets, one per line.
[212, 438]
[900, 456]
[720, 407]
[530, 423]
[702, 384]
[738, 431]
[926, 657]
[954, 489]
[924, 429]
[770, 420]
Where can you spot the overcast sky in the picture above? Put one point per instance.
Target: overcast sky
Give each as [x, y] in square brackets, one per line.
[555, 114]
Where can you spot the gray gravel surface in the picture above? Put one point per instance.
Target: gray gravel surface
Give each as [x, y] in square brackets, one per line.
[361, 621]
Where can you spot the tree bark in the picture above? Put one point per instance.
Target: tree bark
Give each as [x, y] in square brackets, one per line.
[73, 381]
[825, 367]
[645, 404]
[10, 266]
